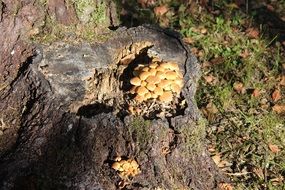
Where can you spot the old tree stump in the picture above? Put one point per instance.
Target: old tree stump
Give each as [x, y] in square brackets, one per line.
[65, 110]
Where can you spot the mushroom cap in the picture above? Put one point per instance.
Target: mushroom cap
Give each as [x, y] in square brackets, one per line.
[133, 90]
[165, 65]
[145, 69]
[164, 83]
[179, 82]
[150, 86]
[173, 66]
[160, 68]
[143, 83]
[166, 97]
[139, 98]
[153, 79]
[141, 90]
[117, 166]
[152, 71]
[147, 95]
[171, 75]
[144, 75]
[158, 91]
[153, 65]
[179, 74]
[160, 74]
[153, 95]
[135, 81]
[175, 88]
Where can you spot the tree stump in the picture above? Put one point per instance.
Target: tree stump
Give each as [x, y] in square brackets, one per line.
[66, 119]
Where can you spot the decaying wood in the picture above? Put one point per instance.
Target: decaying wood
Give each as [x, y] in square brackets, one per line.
[64, 120]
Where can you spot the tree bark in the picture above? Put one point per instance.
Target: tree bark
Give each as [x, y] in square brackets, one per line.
[64, 120]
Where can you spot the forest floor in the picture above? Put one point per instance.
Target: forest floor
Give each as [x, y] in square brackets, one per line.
[241, 48]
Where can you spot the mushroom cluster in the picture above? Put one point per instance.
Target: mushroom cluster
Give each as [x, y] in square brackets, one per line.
[127, 168]
[157, 80]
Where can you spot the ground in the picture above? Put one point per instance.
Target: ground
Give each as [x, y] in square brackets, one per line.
[241, 94]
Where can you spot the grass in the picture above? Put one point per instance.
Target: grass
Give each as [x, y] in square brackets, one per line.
[242, 128]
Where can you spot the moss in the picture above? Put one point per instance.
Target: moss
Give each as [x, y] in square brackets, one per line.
[193, 137]
[90, 12]
[140, 133]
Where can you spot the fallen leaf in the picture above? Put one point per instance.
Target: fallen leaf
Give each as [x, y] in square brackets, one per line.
[244, 54]
[238, 86]
[279, 108]
[276, 95]
[256, 93]
[203, 31]
[211, 108]
[274, 148]
[217, 60]
[225, 186]
[160, 10]
[217, 159]
[209, 78]
[258, 172]
[188, 40]
[252, 32]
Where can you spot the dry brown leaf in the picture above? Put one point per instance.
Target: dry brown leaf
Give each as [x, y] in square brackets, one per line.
[256, 93]
[217, 159]
[188, 40]
[217, 60]
[273, 148]
[258, 172]
[225, 186]
[276, 95]
[244, 54]
[160, 10]
[211, 108]
[209, 78]
[279, 108]
[238, 86]
[203, 31]
[252, 32]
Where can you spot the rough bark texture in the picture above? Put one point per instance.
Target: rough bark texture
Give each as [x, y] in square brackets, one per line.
[63, 120]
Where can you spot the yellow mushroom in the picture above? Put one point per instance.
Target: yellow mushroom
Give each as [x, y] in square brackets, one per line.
[147, 95]
[173, 66]
[158, 91]
[153, 65]
[171, 75]
[145, 69]
[160, 68]
[150, 86]
[143, 83]
[175, 88]
[139, 98]
[166, 97]
[164, 83]
[153, 79]
[133, 90]
[135, 81]
[117, 166]
[144, 75]
[141, 90]
[160, 74]
[152, 71]
[154, 95]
